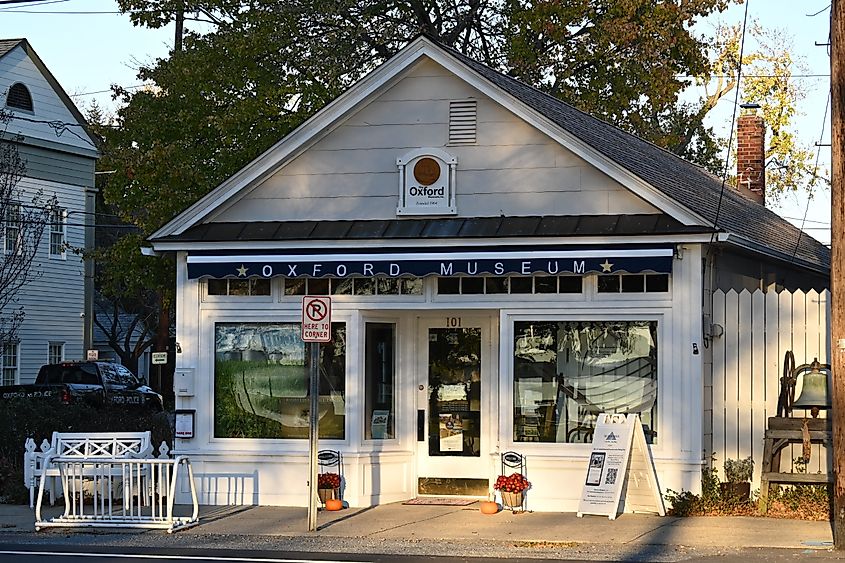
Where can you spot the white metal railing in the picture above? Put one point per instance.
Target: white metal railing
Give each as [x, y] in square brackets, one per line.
[119, 493]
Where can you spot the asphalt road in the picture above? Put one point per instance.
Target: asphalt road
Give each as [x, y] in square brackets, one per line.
[65, 554]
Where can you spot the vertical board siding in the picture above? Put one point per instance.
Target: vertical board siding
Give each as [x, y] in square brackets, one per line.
[748, 363]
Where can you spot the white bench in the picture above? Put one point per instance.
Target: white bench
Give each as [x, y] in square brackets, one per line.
[82, 445]
[112, 480]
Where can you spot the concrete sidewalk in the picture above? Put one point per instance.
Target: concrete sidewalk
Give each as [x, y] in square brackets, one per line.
[437, 530]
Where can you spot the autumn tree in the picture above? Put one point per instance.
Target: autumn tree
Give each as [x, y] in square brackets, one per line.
[24, 216]
[768, 69]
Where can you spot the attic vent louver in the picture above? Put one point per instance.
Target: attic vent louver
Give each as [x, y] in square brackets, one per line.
[19, 97]
[462, 121]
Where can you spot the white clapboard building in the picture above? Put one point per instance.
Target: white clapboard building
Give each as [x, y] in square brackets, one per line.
[59, 156]
[502, 268]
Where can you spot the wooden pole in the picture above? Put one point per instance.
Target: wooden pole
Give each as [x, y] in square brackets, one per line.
[837, 276]
[180, 29]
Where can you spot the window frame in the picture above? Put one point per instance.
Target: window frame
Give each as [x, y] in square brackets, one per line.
[62, 222]
[13, 207]
[17, 363]
[51, 358]
[274, 317]
[506, 378]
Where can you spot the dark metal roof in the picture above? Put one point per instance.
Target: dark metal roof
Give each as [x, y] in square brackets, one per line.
[684, 182]
[485, 227]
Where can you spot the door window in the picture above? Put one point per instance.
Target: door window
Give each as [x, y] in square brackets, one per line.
[454, 392]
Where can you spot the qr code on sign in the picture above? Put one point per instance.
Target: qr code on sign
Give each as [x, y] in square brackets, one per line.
[611, 477]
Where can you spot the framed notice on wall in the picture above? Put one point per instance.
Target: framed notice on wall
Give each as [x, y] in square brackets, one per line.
[185, 423]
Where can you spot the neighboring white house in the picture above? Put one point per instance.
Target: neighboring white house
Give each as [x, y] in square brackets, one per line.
[60, 155]
[502, 266]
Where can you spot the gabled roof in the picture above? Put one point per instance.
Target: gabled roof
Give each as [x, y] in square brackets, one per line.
[6, 46]
[677, 187]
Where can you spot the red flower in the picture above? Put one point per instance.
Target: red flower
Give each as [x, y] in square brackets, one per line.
[328, 481]
[513, 483]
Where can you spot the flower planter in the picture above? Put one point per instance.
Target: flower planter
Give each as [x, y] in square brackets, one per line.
[512, 500]
[736, 491]
[327, 494]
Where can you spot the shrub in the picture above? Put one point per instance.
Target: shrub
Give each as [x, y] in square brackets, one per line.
[22, 418]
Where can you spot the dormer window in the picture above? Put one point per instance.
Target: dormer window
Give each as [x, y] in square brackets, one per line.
[19, 97]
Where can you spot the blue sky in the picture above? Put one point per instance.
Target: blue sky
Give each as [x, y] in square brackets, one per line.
[88, 52]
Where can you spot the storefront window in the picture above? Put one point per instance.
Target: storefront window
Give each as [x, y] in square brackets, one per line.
[261, 373]
[567, 373]
[379, 376]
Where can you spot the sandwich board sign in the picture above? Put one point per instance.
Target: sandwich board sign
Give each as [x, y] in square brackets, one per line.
[316, 319]
[620, 471]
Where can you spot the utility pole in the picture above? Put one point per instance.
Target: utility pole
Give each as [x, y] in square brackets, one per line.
[837, 270]
[180, 28]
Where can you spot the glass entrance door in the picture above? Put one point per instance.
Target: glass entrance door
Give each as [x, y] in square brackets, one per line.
[452, 421]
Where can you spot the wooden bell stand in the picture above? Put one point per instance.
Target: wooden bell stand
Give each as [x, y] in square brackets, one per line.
[780, 433]
[783, 431]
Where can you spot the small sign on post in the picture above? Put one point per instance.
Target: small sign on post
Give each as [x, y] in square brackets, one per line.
[316, 328]
[159, 358]
[92, 355]
[316, 319]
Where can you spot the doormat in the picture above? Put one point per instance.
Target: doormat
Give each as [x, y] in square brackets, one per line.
[441, 501]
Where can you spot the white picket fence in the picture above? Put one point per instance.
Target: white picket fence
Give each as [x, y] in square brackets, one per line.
[747, 363]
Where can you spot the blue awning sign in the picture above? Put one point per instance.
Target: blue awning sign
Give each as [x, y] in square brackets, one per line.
[421, 264]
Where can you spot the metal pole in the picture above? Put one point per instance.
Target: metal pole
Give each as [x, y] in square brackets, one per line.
[314, 422]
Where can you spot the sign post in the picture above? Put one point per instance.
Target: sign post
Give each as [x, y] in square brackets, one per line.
[159, 359]
[316, 328]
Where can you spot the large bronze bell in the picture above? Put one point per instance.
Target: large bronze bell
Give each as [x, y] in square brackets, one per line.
[814, 395]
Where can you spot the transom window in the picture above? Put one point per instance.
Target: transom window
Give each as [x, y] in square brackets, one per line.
[566, 373]
[58, 219]
[378, 285]
[513, 285]
[633, 283]
[19, 97]
[241, 288]
[9, 363]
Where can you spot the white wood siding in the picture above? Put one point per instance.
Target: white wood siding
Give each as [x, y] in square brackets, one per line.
[16, 66]
[55, 301]
[514, 168]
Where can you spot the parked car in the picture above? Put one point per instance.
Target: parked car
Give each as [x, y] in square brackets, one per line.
[97, 383]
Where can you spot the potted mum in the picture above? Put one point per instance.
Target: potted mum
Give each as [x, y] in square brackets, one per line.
[512, 488]
[738, 474]
[328, 486]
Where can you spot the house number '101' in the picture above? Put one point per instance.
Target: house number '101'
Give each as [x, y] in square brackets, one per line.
[453, 322]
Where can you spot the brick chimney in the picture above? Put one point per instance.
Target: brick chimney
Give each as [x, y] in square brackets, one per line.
[751, 154]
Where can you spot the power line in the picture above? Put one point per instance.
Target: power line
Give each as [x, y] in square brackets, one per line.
[109, 90]
[815, 169]
[733, 120]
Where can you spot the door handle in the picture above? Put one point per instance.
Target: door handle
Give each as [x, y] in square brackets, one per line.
[420, 426]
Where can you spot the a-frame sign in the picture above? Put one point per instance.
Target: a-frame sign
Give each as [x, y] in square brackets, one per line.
[620, 471]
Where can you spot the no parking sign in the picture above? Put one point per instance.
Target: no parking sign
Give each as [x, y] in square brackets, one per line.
[316, 319]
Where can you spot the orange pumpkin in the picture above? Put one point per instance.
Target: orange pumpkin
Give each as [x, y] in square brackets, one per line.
[489, 507]
[334, 504]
